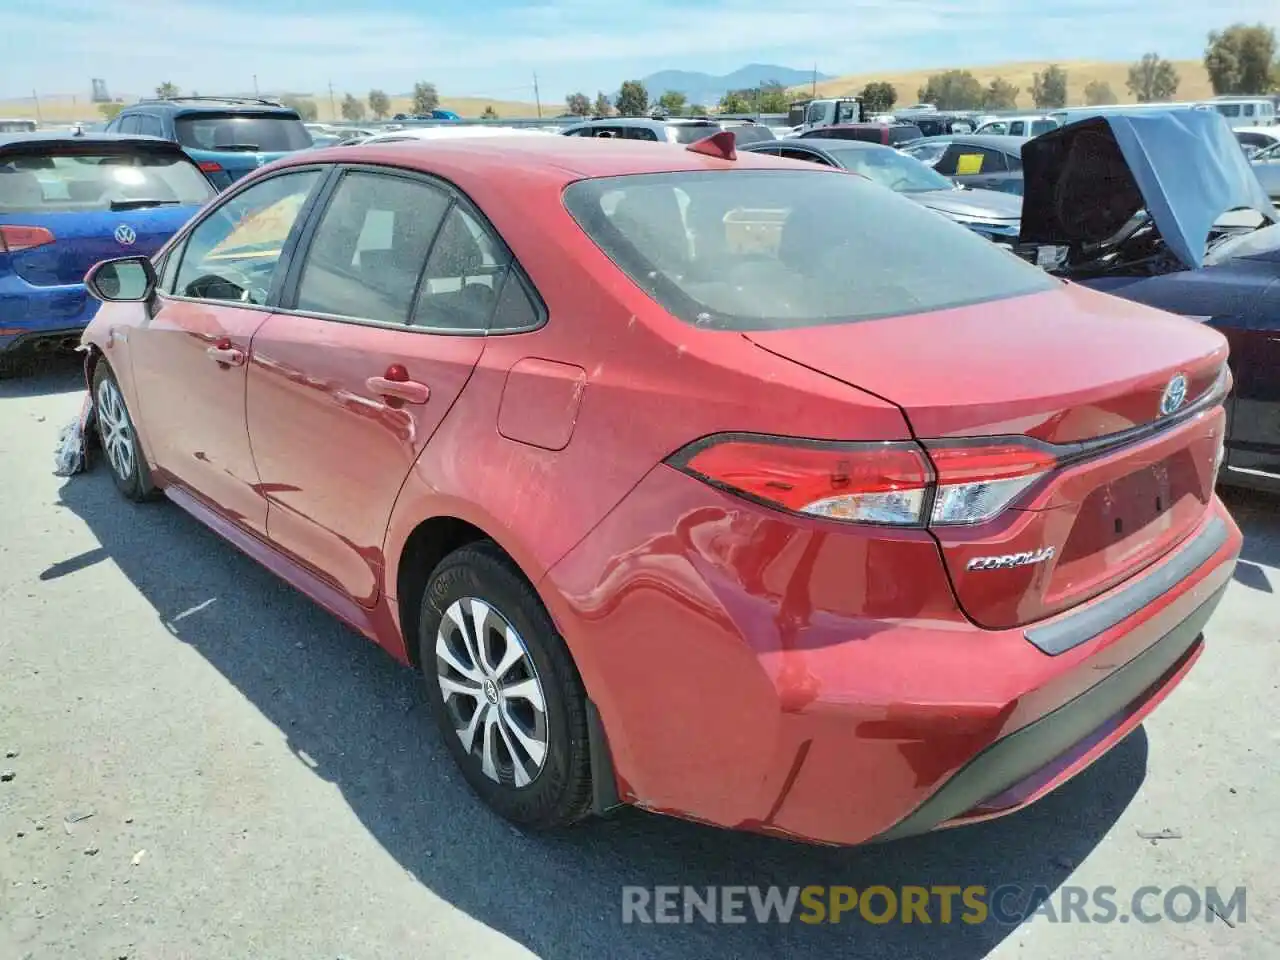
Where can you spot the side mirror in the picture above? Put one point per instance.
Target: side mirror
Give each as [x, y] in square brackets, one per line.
[128, 279]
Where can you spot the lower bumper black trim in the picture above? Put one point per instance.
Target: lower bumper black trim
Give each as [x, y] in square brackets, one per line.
[1012, 759]
[1063, 635]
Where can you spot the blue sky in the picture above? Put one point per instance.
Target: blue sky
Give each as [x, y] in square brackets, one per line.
[493, 48]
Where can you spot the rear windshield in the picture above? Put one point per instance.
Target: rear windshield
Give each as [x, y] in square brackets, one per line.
[693, 132]
[772, 249]
[85, 181]
[892, 169]
[252, 133]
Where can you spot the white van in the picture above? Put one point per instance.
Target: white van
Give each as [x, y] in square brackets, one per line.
[1246, 111]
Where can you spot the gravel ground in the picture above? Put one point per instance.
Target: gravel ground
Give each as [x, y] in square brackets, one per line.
[205, 765]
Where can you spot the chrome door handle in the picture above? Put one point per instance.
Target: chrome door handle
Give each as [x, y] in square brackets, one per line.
[228, 356]
[408, 390]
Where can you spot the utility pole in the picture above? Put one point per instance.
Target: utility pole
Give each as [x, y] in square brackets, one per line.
[536, 97]
[36, 97]
[255, 85]
[333, 110]
[815, 81]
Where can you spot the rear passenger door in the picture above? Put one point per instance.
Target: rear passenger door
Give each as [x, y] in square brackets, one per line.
[381, 322]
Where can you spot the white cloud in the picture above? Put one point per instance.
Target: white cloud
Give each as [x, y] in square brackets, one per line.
[576, 43]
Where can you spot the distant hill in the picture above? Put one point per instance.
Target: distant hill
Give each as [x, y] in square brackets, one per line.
[707, 89]
[1194, 81]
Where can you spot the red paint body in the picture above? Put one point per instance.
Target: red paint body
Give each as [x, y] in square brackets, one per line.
[751, 668]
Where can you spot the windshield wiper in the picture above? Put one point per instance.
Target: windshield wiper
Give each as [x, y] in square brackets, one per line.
[139, 203]
[237, 147]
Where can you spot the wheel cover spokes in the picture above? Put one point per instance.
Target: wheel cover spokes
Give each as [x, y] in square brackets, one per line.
[491, 691]
[114, 429]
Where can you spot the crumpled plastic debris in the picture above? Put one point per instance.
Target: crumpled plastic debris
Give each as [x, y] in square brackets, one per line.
[72, 455]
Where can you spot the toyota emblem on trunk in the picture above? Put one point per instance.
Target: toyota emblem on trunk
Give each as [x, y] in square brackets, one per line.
[125, 236]
[1175, 395]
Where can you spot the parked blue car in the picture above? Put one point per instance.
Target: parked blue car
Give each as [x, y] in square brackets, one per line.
[227, 136]
[68, 201]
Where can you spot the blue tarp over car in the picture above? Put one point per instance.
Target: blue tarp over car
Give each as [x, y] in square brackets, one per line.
[1085, 181]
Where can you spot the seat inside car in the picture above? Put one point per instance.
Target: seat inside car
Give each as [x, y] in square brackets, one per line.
[18, 188]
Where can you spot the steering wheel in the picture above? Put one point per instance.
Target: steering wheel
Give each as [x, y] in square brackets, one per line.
[231, 284]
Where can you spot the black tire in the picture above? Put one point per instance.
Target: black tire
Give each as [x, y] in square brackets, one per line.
[134, 483]
[560, 792]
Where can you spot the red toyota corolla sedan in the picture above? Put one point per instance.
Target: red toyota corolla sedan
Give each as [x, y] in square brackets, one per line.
[726, 486]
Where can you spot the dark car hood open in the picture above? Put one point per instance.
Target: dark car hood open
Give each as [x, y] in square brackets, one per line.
[1086, 180]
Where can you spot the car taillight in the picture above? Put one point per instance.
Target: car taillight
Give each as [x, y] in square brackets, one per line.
[210, 166]
[897, 483]
[14, 238]
[978, 479]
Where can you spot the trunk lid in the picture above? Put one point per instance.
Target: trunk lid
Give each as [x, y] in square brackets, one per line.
[1082, 371]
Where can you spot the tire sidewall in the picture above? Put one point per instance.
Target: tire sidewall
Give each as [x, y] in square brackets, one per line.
[471, 573]
[132, 485]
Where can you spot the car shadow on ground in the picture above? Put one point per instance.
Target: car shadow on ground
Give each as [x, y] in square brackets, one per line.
[357, 719]
[40, 375]
[1260, 512]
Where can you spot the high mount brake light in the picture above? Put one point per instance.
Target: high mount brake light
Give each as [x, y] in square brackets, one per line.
[14, 239]
[898, 483]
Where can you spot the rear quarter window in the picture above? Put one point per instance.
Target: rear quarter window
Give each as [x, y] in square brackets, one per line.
[764, 250]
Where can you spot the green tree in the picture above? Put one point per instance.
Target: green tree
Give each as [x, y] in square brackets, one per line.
[352, 109]
[579, 104]
[632, 99]
[1240, 59]
[697, 110]
[952, 90]
[1153, 79]
[878, 97]
[674, 102]
[306, 109]
[489, 112]
[772, 97]
[1000, 95]
[167, 90]
[736, 101]
[425, 98]
[379, 104]
[602, 107]
[110, 111]
[1049, 89]
[1098, 92]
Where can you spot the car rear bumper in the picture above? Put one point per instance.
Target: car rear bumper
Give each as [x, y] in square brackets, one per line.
[30, 314]
[746, 677]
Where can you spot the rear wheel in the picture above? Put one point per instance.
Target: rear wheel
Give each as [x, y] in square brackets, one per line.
[504, 690]
[118, 438]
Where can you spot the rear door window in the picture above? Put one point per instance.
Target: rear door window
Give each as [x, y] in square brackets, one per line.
[131, 124]
[1016, 129]
[370, 247]
[464, 276]
[248, 132]
[150, 126]
[1042, 126]
[793, 154]
[639, 133]
[116, 178]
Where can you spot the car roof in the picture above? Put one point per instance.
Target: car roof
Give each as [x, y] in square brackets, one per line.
[994, 140]
[67, 136]
[211, 105]
[561, 160]
[827, 143]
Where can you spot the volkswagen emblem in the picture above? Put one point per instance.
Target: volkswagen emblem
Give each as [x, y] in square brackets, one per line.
[1175, 395]
[125, 236]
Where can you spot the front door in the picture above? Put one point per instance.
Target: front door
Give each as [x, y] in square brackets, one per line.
[190, 359]
[380, 328]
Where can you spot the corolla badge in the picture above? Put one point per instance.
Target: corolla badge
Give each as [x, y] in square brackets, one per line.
[1174, 396]
[1010, 560]
[125, 235]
